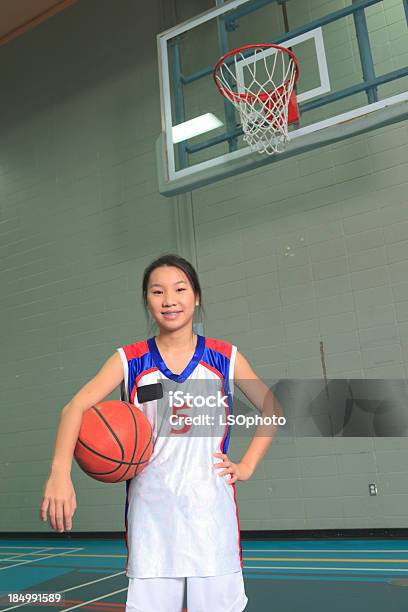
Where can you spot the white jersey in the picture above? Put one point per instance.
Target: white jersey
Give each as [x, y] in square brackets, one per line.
[181, 517]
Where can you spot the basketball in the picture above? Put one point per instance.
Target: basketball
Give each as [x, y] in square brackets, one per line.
[115, 441]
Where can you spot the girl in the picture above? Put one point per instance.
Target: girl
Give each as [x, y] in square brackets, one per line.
[181, 514]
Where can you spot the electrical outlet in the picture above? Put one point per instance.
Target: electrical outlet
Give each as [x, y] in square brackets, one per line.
[372, 488]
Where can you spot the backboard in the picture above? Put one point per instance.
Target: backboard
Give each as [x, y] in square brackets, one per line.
[353, 58]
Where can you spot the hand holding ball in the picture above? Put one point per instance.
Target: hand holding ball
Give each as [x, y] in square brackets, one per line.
[115, 441]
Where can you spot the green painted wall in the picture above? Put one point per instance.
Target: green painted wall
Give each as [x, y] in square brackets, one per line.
[313, 248]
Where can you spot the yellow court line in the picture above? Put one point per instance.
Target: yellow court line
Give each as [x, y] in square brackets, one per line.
[316, 559]
[94, 555]
[325, 559]
[65, 555]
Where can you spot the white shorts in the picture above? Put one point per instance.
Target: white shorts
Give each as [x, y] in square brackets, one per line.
[225, 593]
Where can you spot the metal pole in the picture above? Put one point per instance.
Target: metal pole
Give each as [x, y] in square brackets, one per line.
[284, 14]
[178, 100]
[364, 47]
[229, 109]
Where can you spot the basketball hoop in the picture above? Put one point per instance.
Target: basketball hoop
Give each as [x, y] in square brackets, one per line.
[266, 102]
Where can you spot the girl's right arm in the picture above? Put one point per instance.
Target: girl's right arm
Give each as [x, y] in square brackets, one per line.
[59, 495]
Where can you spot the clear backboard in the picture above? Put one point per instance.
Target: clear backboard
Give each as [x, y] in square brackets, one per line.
[353, 64]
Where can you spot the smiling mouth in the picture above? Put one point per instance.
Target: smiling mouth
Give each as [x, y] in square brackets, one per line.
[171, 314]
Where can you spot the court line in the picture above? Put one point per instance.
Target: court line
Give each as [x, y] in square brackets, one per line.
[326, 569]
[27, 547]
[325, 550]
[21, 554]
[244, 557]
[37, 552]
[245, 550]
[100, 607]
[378, 580]
[78, 586]
[325, 559]
[248, 549]
[261, 550]
[42, 558]
[90, 601]
[94, 555]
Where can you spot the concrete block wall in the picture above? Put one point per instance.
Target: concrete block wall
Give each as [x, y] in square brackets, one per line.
[81, 217]
[313, 248]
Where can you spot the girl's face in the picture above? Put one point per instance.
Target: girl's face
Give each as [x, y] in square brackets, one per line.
[170, 298]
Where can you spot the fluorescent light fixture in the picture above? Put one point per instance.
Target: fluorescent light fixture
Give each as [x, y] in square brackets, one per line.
[194, 127]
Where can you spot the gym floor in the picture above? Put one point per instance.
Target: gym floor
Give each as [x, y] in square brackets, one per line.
[330, 575]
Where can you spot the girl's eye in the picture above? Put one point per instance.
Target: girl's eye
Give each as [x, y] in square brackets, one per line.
[157, 291]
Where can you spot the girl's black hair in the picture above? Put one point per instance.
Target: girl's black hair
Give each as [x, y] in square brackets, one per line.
[170, 259]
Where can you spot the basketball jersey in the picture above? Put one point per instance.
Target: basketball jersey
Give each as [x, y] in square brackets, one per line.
[181, 517]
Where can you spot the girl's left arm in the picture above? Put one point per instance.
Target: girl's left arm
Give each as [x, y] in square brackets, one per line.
[265, 401]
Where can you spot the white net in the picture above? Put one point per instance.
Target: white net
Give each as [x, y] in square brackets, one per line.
[259, 82]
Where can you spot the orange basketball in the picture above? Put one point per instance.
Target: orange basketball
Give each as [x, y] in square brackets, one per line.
[115, 441]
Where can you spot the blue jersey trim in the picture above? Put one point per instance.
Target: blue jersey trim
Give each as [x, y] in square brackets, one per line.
[158, 360]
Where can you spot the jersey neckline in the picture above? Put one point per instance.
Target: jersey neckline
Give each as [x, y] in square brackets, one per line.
[159, 361]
